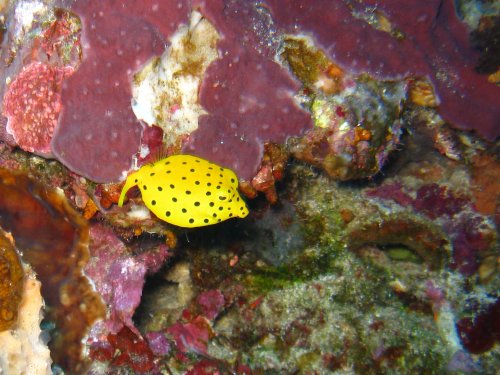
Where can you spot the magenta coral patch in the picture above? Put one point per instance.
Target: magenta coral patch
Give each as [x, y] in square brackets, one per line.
[32, 105]
[435, 44]
[98, 133]
[211, 302]
[118, 276]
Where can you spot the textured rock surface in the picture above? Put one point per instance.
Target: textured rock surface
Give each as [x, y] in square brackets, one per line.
[24, 350]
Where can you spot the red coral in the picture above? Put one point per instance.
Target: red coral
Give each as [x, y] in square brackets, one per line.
[131, 350]
[192, 336]
[98, 133]
[32, 105]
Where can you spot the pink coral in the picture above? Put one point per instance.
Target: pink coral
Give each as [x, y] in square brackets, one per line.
[211, 302]
[118, 276]
[192, 336]
[98, 133]
[32, 105]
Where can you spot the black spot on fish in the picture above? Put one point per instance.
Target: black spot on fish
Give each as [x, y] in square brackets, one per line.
[221, 208]
[191, 170]
[169, 171]
[211, 204]
[197, 182]
[191, 221]
[167, 214]
[230, 215]
[152, 174]
[214, 215]
[153, 202]
[144, 187]
[208, 174]
[184, 162]
[184, 210]
[232, 180]
[160, 188]
[196, 204]
[206, 220]
[188, 192]
[172, 186]
[136, 180]
[174, 199]
[208, 193]
[209, 184]
[222, 198]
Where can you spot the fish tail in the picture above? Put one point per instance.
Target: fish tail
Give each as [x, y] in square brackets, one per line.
[129, 183]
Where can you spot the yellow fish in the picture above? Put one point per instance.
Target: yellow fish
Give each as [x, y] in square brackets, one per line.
[188, 191]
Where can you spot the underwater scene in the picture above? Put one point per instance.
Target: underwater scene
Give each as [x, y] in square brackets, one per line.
[249, 187]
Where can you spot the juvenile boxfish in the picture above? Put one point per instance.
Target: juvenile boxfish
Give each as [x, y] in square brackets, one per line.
[188, 191]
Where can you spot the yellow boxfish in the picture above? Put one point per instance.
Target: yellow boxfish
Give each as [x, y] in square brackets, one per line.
[188, 191]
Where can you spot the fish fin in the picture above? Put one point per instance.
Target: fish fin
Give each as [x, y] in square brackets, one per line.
[132, 180]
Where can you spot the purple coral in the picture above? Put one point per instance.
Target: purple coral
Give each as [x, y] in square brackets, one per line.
[98, 133]
[431, 42]
[249, 97]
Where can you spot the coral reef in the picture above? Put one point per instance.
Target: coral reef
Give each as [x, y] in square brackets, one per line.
[394, 40]
[362, 137]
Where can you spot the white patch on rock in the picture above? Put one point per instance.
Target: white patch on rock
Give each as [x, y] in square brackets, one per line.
[23, 350]
[138, 212]
[24, 15]
[165, 92]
